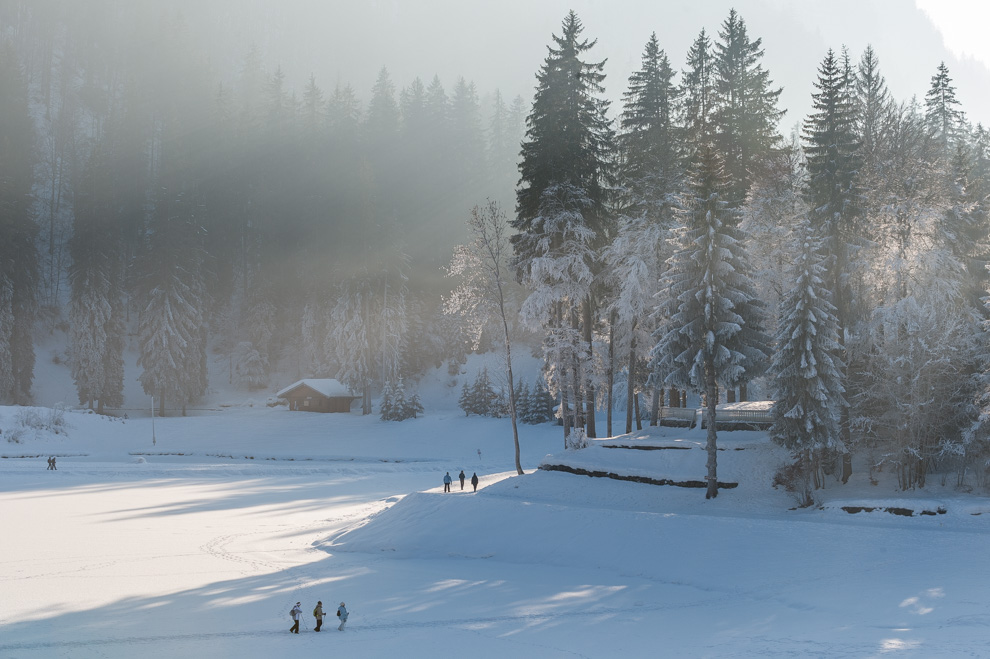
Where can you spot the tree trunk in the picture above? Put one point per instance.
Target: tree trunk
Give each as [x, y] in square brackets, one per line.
[711, 398]
[629, 384]
[743, 393]
[675, 398]
[611, 373]
[589, 399]
[655, 407]
[639, 417]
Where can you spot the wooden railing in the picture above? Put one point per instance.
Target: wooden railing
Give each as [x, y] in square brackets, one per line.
[761, 418]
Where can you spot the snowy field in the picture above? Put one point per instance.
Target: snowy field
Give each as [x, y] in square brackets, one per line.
[199, 544]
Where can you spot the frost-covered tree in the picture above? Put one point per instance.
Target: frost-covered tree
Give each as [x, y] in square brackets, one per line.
[832, 192]
[562, 209]
[650, 177]
[807, 368]
[386, 410]
[714, 333]
[350, 337]
[96, 310]
[942, 114]
[559, 277]
[171, 324]
[483, 296]
[19, 263]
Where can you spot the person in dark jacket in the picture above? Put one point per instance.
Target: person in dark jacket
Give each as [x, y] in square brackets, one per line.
[318, 614]
[461, 476]
[446, 482]
[474, 481]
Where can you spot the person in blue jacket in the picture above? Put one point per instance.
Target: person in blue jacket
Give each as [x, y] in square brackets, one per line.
[342, 614]
[446, 482]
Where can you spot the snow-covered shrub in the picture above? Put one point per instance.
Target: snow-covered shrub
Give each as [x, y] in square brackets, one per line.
[577, 440]
[39, 421]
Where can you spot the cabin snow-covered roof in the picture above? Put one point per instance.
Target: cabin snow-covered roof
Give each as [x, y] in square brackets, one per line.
[327, 386]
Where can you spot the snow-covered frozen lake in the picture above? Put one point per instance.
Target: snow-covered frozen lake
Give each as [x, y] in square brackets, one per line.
[131, 549]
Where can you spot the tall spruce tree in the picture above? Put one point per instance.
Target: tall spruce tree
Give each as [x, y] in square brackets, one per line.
[19, 263]
[96, 277]
[807, 368]
[745, 109]
[714, 333]
[832, 152]
[698, 96]
[942, 114]
[171, 323]
[649, 175]
[565, 187]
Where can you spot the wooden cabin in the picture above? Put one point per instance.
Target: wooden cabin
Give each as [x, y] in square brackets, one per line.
[318, 395]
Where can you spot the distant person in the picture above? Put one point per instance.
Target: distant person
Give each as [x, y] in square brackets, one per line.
[318, 614]
[461, 476]
[446, 482]
[49, 464]
[342, 612]
[474, 481]
[52, 461]
[296, 614]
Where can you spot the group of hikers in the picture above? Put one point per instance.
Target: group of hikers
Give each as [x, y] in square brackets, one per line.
[51, 463]
[296, 615]
[447, 480]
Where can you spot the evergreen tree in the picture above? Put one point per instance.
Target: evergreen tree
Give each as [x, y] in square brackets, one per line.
[387, 408]
[466, 401]
[350, 340]
[873, 104]
[171, 325]
[745, 112]
[467, 136]
[399, 403]
[19, 263]
[413, 408]
[714, 334]
[650, 176]
[698, 96]
[807, 368]
[832, 152]
[942, 114]
[569, 140]
[96, 280]
[562, 209]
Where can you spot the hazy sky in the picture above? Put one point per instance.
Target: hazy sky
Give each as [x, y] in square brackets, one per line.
[502, 43]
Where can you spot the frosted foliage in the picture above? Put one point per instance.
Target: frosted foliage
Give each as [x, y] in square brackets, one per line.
[559, 278]
[89, 317]
[348, 336]
[169, 337]
[807, 368]
[714, 317]
[560, 270]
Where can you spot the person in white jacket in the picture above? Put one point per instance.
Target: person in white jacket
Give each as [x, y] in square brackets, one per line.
[342, 614]
[296, 614]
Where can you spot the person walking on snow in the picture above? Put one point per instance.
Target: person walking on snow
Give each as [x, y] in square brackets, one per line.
[474, 481]
[318, 614]
[446, 482]
[49, 464]
[296, 614]
[461, 476]
[342, 614]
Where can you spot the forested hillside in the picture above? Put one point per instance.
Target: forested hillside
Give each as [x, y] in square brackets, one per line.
[683, 239]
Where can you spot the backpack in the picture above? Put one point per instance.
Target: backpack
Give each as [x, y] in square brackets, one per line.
[338, 613]
[314, 613]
